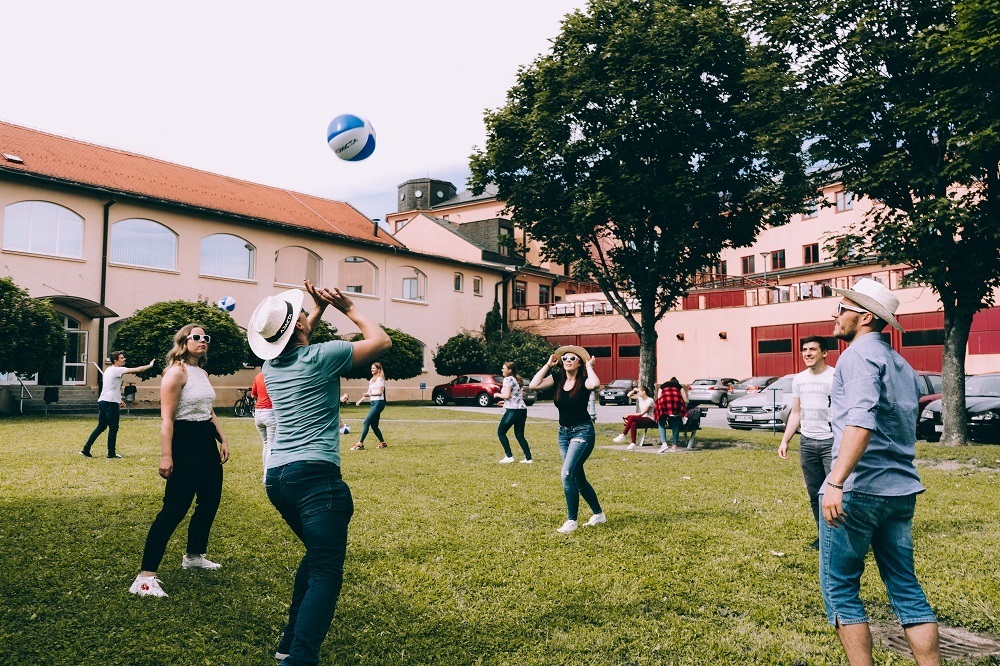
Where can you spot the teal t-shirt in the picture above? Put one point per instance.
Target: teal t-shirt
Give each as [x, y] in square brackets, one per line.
[304, 385]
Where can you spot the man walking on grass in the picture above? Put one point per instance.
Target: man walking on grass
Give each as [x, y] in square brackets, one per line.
[870, 494]
[811, 409]
[303, 478]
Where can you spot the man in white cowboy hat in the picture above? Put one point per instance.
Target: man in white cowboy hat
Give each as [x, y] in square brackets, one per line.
[869, 496]
[303, 479]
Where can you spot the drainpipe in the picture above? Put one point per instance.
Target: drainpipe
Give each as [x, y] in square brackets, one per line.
[503, 283]
[104, 283]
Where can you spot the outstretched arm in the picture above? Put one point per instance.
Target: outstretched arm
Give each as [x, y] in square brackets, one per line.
[376, 341]
[142, 368]
[542, 380]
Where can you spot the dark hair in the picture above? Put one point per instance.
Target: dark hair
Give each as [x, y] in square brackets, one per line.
[581, 379]
[878, 324]
[512, 366]
[646, 389]
[115, 355]
[818, 339]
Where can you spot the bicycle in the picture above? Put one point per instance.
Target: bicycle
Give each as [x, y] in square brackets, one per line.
[245, 405]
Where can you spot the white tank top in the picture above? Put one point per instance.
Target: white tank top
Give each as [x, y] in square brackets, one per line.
[197, 396]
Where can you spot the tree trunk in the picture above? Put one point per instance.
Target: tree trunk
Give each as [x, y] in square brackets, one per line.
[647, 343]
[957, 323]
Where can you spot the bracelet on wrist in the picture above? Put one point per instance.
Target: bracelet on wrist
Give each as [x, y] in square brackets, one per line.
[838, 486]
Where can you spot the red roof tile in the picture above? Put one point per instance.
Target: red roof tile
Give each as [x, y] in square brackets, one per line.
[119, 171]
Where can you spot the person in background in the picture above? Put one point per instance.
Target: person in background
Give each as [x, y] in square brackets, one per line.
[515, 413]
[642, 417]
[376, 396]
[189, 459]
[109, 403]
[670, 409]
[811, 409]
[304, 481]
[576, 429]
[263, 416]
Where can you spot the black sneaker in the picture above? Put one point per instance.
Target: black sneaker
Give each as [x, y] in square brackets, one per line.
[113, 456]
[814, 545]
[86, 454]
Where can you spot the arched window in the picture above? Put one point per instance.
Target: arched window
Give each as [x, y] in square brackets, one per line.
[357, 275]
[139, 242]
[294, 264]
[224, 255]
[44, 228]
[412, 283]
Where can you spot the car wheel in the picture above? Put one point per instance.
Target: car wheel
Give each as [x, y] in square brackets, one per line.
[440, 400]
[484, 400]
[529, 403]
[601, 400]
[724, 402]
[934, 438]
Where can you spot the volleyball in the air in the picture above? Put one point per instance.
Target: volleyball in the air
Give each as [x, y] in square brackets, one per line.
[351, 138]
[227, 303]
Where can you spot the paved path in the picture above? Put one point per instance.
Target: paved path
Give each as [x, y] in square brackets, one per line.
[605, 414]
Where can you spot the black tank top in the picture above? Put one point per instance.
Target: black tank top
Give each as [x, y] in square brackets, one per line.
[573, 411]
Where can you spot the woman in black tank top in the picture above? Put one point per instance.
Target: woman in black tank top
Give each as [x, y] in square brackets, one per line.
[576, 430]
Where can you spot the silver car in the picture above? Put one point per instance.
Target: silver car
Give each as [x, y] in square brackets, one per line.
[767, 409]
[752, 385]
[713, 390]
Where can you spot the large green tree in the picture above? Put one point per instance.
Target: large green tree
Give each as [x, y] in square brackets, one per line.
[149, 333]
[904, 109]
[474, 352]
[649, 139]
[31, 336]
[404, 360]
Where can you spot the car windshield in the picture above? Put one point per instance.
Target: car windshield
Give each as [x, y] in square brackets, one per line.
[498, 379]
[985, 386]
[783, 384]
[621, 384]
[753, 381]
[703, 382]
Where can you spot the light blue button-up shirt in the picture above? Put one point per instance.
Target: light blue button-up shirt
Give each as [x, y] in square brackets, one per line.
[876, 389]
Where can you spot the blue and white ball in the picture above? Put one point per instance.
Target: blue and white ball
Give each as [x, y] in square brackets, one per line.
[227, 303]
[351, 138]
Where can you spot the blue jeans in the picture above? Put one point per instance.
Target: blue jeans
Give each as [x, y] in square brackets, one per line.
[108, 415]
[814, 459]
[675, 426]
[516, 418]
[576, 443]
[884, 523]
[371, 420]
[317, 505]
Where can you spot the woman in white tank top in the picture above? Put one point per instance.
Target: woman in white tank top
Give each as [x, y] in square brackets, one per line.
[189, 459]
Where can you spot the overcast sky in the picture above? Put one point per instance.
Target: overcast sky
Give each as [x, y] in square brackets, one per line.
[247, 88]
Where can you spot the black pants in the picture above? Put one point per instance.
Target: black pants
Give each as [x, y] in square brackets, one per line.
[197, 473]
[108, 414]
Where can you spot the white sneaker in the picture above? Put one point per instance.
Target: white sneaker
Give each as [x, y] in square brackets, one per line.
[281, 655]
[527, 461]
[663, 448]
[147, 586]
[596, 519]
[506, 460]
[620, 439]
[199, 562]
[568, 527]
[630, 446]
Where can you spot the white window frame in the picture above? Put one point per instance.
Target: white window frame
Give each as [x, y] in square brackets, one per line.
[226, 260]
[141, 253]
[38, 222]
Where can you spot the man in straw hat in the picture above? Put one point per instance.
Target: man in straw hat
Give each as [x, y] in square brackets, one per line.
[303, 478]
[869, 496]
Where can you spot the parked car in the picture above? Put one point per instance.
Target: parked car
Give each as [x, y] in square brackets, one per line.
[480, 388]
[930, 388]
[616, 391]
[768, 408]
[713, 390]
[751, 385]
[982, 404]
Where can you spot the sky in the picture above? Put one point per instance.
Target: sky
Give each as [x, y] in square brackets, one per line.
[247, 89]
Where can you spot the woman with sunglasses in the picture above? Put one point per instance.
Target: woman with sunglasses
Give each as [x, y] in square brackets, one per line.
[576, 430]
[189, 459]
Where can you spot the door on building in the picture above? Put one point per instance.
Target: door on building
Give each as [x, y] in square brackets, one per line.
[75, 361]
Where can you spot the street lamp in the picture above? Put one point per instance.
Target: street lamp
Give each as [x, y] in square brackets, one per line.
[763, 256]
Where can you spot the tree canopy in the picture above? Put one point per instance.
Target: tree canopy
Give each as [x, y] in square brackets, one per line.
[473, 352]
[903, 109]
[404, 360]
[31, 335]
[149, 334]
[649, 139]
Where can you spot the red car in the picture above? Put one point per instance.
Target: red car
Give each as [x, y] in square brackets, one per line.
[480, 388]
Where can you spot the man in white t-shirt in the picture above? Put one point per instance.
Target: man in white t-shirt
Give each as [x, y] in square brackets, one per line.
[811, 390]
[109, 403]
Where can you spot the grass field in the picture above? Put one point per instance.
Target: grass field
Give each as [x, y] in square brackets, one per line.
[454, 559]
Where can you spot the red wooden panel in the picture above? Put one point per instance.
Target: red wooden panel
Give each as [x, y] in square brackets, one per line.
[626, 339]
[597, 340]
[604, 368]
[691, 302]
[560, 340]
[628, 368]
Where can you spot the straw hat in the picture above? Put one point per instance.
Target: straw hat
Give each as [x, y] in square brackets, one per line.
[273, 323]
[582, 353]
[874, 297]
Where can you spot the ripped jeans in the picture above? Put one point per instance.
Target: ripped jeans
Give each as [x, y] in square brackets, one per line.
[576, 443]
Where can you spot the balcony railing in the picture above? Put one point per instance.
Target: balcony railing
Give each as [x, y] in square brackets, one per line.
[567, 309]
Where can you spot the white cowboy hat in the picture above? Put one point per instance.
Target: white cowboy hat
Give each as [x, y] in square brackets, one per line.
[273, 323]
[874, 297]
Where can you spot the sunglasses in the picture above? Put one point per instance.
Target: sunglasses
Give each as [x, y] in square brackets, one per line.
[570, 357]
[198, 337]
[841, 309]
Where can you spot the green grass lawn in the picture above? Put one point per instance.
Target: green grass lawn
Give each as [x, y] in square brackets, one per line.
[454, 559]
